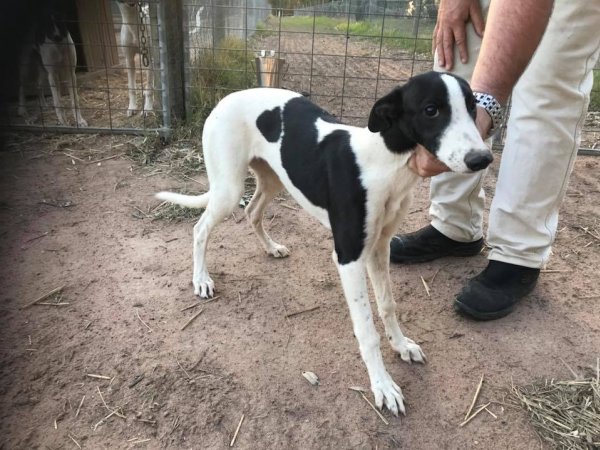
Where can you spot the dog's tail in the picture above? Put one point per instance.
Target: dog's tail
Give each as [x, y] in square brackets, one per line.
[189, 201]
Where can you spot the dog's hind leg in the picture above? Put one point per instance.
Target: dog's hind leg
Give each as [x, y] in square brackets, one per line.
[268, 186]
[224, 197]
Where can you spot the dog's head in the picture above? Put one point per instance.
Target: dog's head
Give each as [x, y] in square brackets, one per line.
[436, 110]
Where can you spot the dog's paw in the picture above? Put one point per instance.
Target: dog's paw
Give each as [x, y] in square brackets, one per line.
[82, 122]
[278, 251]
[409, 351]
[131, 112]
[388, 393]
[148, 113]
[204, 288]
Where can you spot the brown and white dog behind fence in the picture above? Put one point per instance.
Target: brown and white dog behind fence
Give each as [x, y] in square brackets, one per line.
[50, 48]
[355, 181]
[134, 40]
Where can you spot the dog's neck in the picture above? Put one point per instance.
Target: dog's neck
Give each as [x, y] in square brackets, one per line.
[397, 140]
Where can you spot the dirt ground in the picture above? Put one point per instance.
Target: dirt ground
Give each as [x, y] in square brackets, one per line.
[77, 213]
[69, 217]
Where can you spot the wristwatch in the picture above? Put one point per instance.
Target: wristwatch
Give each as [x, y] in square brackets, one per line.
[493, 108]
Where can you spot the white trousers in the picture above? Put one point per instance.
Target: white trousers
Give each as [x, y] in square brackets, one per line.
[549, 105]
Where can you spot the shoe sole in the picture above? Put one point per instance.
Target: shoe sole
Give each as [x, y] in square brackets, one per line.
[459, 252]
[474, 314]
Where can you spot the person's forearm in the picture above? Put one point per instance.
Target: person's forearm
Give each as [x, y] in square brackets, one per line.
[513, 32]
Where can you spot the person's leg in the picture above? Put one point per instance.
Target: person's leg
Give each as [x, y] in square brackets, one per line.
[457, 200]
[549, 104]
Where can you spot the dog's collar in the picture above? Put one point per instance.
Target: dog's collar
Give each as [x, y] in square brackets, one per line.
[494, 109]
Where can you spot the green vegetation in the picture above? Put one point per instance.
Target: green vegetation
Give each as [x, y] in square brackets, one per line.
[595, 97]
[218, 72]
[393, 32]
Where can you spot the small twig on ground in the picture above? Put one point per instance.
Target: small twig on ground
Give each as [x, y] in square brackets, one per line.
[37, 237]
[100, 377]
[192, 319]
[190, 379]
[426, 287]
[434, 275]
[575, 374]
[43, 297]
[301, 312]
[289, 207]
[555, 271]
[74, 157]
[481, 408]
[361, 392]
[585, 230]
[237, 430]
[73, 439]
[104, 159]
[136, 380]
[491, 413]
[475, 397]
[79, 407]
[53, 304]
[200, 303]
[143, 323]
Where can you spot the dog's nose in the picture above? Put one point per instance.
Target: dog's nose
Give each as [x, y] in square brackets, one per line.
[478, 160]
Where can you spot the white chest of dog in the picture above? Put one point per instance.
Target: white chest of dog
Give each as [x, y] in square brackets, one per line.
[355, 181]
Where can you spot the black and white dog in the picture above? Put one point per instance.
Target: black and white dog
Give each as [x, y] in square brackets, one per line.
[49, 45]
[355, 181]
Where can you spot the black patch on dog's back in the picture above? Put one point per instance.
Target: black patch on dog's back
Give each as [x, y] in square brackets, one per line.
[326, 173]
[269, 124]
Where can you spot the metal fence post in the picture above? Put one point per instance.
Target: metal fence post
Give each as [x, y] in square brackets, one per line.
[170, 16]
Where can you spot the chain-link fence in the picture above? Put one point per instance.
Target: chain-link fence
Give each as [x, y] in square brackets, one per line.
[90, 66]
[139, 64]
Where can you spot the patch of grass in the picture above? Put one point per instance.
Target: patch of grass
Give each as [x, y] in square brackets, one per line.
[595, 95]
[565, 414]
[145, 151]
[394, 32]
[220, 71]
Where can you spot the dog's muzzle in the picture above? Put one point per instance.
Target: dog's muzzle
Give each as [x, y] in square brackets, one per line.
[478, 159]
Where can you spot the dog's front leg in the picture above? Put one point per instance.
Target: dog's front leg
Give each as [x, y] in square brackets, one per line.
[148, 89]
[73, 91]
[130, 63]
[54, 81]
[378, 266]
[354, 282]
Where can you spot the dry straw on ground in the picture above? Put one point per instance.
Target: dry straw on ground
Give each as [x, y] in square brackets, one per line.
[565, 414]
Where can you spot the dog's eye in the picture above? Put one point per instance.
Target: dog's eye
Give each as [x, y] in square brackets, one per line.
[431, 111]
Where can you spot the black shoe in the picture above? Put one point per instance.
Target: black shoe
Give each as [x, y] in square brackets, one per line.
[495, 291]
[428, 244]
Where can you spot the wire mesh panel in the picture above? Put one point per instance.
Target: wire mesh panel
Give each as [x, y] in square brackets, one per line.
[91, 66]
[343, 53]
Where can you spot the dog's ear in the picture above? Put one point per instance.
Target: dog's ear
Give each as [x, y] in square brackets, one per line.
[386, 111]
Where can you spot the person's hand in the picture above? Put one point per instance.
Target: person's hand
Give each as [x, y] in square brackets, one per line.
[450, 29]
[425, 164]
[483, 122]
